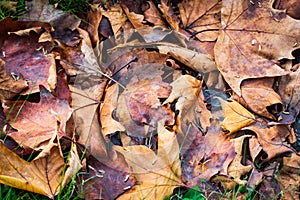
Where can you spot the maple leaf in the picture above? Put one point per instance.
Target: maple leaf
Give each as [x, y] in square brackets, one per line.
[259, 95]
[236, 169]
[252, 35]
[157, 174]
[272, 139]
[29, 119]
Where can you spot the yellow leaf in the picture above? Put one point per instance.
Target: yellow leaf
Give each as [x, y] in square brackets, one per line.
[236, 116]
[157, 174]
[41, 176]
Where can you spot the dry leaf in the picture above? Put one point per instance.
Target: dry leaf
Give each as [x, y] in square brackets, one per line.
[157, 174]
[41, 176]
[236, 116]
[193, 113]
[253, 35]
[201, 18]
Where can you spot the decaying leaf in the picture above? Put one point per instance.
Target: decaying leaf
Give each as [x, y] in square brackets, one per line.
[157, 174]
[193, 114]
[10, 87]
[236, 169]
[36, 122]
[267, 34]
[236, 116]
[258, 95]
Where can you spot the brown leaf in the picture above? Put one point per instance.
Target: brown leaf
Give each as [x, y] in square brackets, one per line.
[169, 15]
[139, 108]
[105, 181]
[253, 35]
[36, 122]
[157, 174]
[236, 169]
[272, 139]
[153, 16]
[116, 17]
[10, 87]
[41, 176]
[201, 18]
[108, 109]
[258, 95]
[193, 114]
[236, 116]
[30, 58]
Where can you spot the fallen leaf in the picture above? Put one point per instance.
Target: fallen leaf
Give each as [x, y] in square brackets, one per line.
[193, 114]
[105, 181]
[30, 59]
[116, 17]
[201, 18]
[29, 119]
[272, 139]
[236, 169]
[259, 95]
[157, 174]
[169, 14]
[108, 110]
[10, 87]
[41, 176]
[236, 116]
[253, 35]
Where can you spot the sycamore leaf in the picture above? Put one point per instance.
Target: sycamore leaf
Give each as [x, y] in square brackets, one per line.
[42, 176]
[109, 106]
[236, 116]
[253, 35]
[157, 174]
[36, 122]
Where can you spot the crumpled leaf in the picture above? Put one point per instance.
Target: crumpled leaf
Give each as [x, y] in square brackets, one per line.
[258, 95]
[288, 176]
[108, 109]
[169, 15]
[193, 113]
[236, 116]
[41, 176]
[199, 16]
[236, 169]
[10, 87]
[116, 17]
[272, 139]
[29, 119]
[267, 34]
[157, 174]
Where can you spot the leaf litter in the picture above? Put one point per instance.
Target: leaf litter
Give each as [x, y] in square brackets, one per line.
[147, 98]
